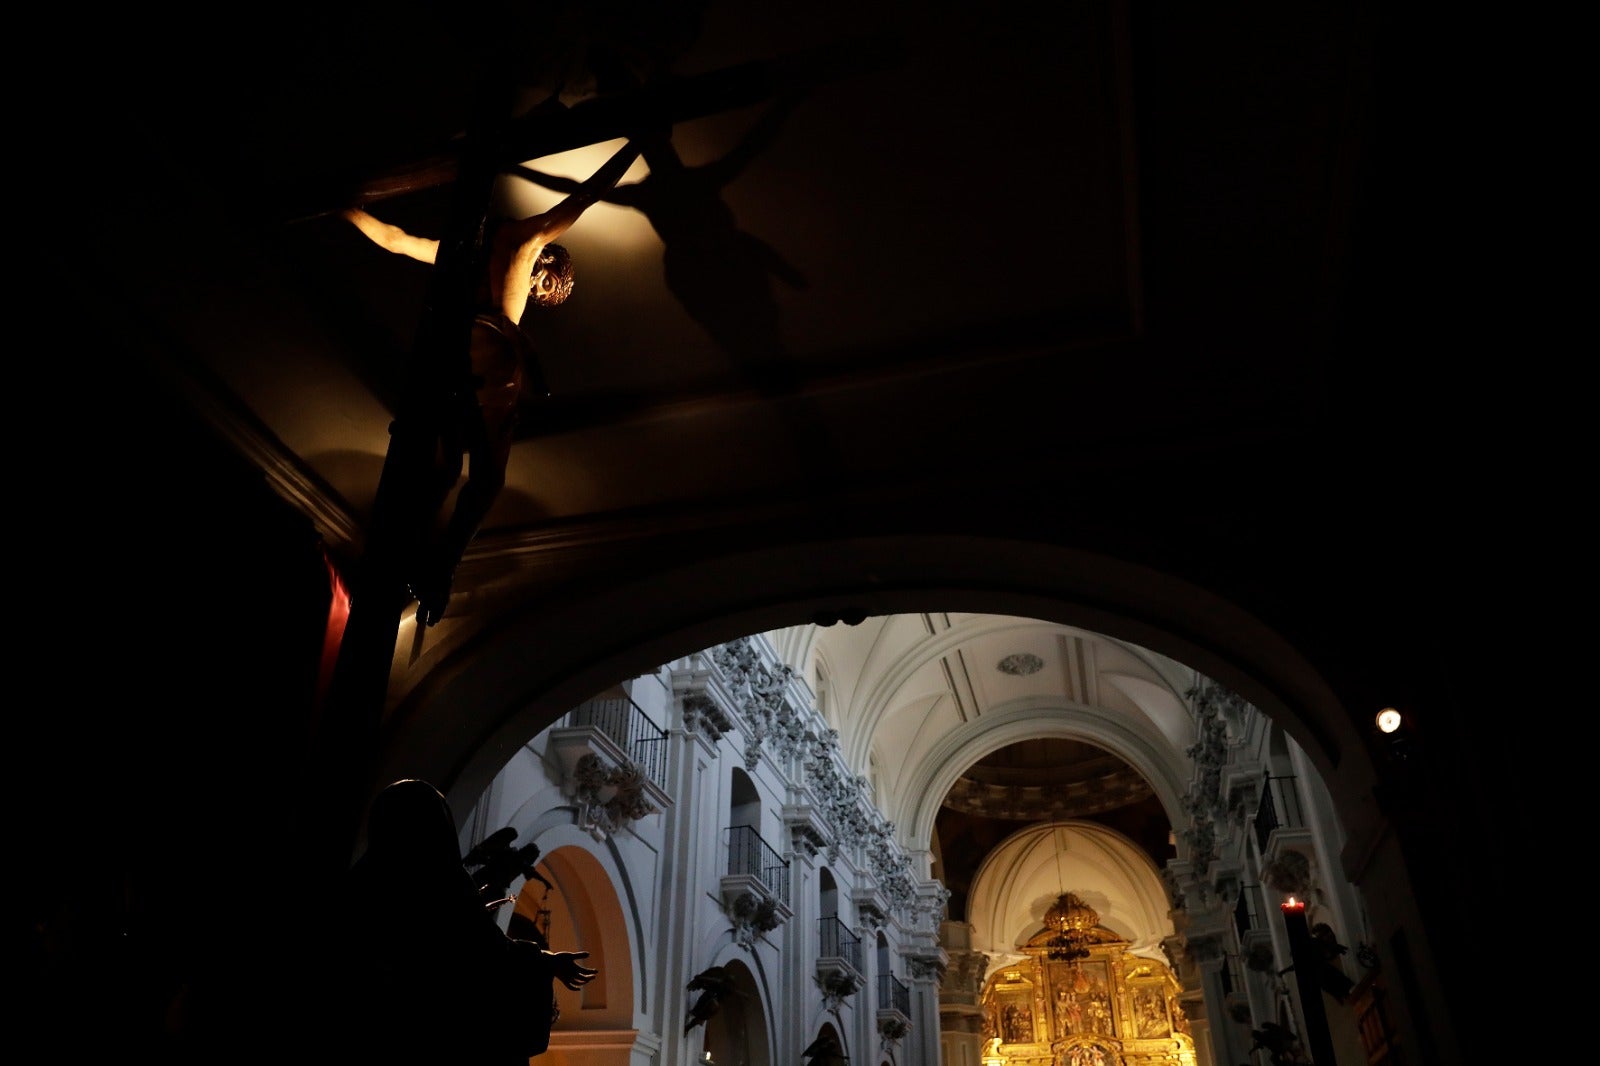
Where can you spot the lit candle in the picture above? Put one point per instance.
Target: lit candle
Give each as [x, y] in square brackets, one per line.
[1292, 904]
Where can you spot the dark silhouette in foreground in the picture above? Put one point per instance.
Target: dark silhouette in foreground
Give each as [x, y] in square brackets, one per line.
[714, 984]
[422, 971]
[495, 864]
[1281, 1044]
[824, 1051]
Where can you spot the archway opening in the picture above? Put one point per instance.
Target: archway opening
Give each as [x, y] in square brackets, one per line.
[737, 1034]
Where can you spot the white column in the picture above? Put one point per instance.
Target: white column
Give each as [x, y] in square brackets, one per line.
[921, 1045]
[1210, 955]
[801, 996]
[689, 833]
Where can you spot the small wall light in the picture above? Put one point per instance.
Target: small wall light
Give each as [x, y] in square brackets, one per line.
[1388, 720]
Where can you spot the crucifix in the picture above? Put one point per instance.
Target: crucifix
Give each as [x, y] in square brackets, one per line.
[461, 334]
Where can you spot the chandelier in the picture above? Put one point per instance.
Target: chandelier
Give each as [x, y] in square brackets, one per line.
[1070, 919]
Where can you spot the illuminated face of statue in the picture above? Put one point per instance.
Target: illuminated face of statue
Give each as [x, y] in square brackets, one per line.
[551, 281]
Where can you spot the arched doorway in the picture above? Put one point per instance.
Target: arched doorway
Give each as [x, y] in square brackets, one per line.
[580, 911]
[737, 1035]
[484, 675]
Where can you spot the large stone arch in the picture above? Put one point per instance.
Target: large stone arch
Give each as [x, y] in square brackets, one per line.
[741, 1030]
[1135, 743]
[589, 916]
[1019, 879]
[609, 899]
[523, 668]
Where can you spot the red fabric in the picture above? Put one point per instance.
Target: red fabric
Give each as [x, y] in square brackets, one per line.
[333, 634]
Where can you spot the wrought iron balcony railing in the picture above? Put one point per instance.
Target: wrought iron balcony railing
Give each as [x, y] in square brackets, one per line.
[838, 942]
[626, 725]
[1247, 911]
[1280, 806]
[838, 961]
[750, 856]
[893, 994]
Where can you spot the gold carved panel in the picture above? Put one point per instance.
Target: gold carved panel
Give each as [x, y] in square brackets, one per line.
[1011, 1006]
[1082, 1000]
[1110, 1009]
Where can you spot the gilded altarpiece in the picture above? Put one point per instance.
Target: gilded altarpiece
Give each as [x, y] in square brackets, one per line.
[1110, 1009]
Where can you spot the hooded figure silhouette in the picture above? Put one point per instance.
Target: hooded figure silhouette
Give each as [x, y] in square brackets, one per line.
[426, 975]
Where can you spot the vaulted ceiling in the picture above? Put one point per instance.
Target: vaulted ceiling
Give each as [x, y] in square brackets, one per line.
[1027, 758]
[1045, 233]
[1043, 782]
[1099, 274]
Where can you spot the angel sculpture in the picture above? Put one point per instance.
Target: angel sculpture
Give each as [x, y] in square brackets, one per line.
[713, 984]
[494, 864]
[824, 1051]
